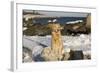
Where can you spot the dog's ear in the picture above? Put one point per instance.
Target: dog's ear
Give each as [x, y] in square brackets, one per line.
[52, 26]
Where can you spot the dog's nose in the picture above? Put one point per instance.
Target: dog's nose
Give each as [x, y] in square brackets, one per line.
[56, 31]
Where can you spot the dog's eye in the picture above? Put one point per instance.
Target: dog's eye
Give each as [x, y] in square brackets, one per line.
[58, 30]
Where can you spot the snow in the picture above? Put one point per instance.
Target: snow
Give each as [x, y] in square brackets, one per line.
[38, 50]
[37, 43]
[73, 22]
[25, 28]
[82, 42]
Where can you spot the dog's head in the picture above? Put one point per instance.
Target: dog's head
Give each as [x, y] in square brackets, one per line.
[55, 27]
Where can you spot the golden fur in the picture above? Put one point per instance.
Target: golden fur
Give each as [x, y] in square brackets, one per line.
[56, 42]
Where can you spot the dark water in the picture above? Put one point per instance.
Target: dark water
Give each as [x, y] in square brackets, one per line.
[61, 20]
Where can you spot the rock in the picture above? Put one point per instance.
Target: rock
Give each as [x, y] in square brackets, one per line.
[76, 55]
[66, 56]
[38, 58]
[87, 54]
[27, 58]
[27, 55]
